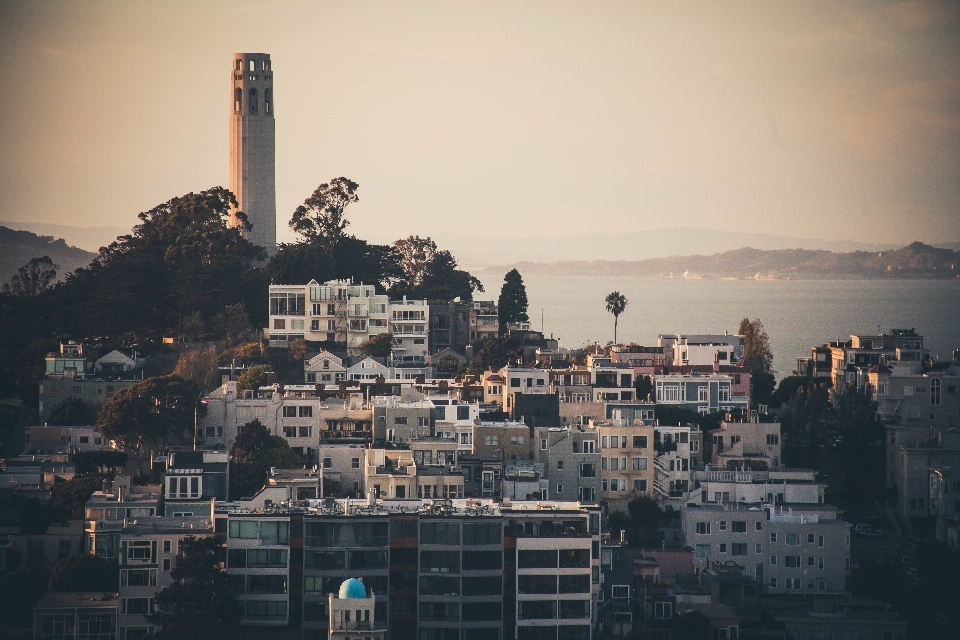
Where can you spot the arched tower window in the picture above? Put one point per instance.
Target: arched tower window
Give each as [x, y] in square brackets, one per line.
[267, 100]
[253, 65]
[253, 100]
[237, 99]
[239, 64]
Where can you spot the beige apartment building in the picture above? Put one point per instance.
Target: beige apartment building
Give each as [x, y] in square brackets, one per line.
[626, 463]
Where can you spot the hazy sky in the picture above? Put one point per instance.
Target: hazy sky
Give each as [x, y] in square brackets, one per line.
[515, 118]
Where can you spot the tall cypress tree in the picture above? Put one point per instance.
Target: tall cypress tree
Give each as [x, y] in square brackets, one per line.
[512, 305]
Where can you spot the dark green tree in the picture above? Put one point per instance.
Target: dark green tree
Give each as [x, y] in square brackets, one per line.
[253, 378]
[320, 220]
[643, 386]
[442, 281]
[69, 498]
[379, 346]
[255, 450]
[804, 425]
[94, 461]
[786, 389]
[182, 258]
[512, 304]
[33, 278]
[756, 345]
[616, 302]
[201, 603]
[72, 412]
[495, 354]
[350, 258]
[153, 412]
[84, 572]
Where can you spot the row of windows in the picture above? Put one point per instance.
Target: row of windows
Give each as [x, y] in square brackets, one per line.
[269, 532]
[620, 442]
[552, 609]
[620, 464]
[623, 484]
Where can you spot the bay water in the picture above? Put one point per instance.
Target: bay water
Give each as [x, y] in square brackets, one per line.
[797, 314]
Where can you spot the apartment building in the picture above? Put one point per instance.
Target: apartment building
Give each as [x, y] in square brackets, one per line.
[913, 460]
[149, 548]
[484, 321]
[410, 326]
[788, 549]
[68, 374]
[704, 393]
[95, 613]
[719, 485]
[571, 460]
[701, 349]
[612, 382]
[399, 419]
[910, 394]
[465, 569]
[508, 440]
[738, 445]
[336, 311]
[675, 448]
[449, 326]
[626, 463]
[850, 360]
[107, 511]
[193, 480]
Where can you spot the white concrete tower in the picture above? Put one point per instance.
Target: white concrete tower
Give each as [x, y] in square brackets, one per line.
[252, 146]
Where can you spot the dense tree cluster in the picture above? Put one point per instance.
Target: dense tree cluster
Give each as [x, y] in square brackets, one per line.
[84, 572]
[757, 354]
[201, 603]
[512, 303]
[156, 411]
[255, 450]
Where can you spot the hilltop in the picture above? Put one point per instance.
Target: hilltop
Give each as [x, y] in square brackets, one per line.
[18, 247]
[916, 260]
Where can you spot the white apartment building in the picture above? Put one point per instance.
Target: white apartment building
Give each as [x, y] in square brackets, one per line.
[788, 548]
[704, 393]
[336, 311]
[701, 349]
[723, 486]
[409, 322]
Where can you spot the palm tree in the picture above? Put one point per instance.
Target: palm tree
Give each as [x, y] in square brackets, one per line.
[616, 303]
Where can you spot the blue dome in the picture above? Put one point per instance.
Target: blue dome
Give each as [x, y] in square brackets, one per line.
[352, 588]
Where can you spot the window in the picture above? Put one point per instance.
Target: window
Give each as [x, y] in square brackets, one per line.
[791, 562]
[603, 442]
[166, 546]
[723, 525]
[758, 525]
[739, 548]
[620, 591]
[773, 438]
[703, 528]
[639, 442]
[773, 561]
[935, 392]
[400, 420]
[135, 606]
[289, 412]
[773, 537]
[663, 610]
[758, 548]
[810, 538]
[738, 526]
[305, 412]
[305, 431]
[639, 464]
[559, 488]
[614, 464]
[640, 485]
[793, 539]
[723, 547]
[355, 463]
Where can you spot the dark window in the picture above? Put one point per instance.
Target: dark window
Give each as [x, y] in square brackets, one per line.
[639, 442]
[531, 558]
[539, 584]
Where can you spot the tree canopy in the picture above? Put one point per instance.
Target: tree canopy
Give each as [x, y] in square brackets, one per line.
[378, 346]
[69, 498]
[320, 219]
[155, 411]
[253, 378]
[33, 278]
[71, 412]
[201, 603]
[756, 345]
[512, 304]
[254, 451]
[84, 572]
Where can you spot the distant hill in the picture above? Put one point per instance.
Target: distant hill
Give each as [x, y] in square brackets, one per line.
[917, 260]
[635, 245]
[18, 247]
[88, 238]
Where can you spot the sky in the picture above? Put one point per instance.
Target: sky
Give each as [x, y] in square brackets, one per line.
[817, 120]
